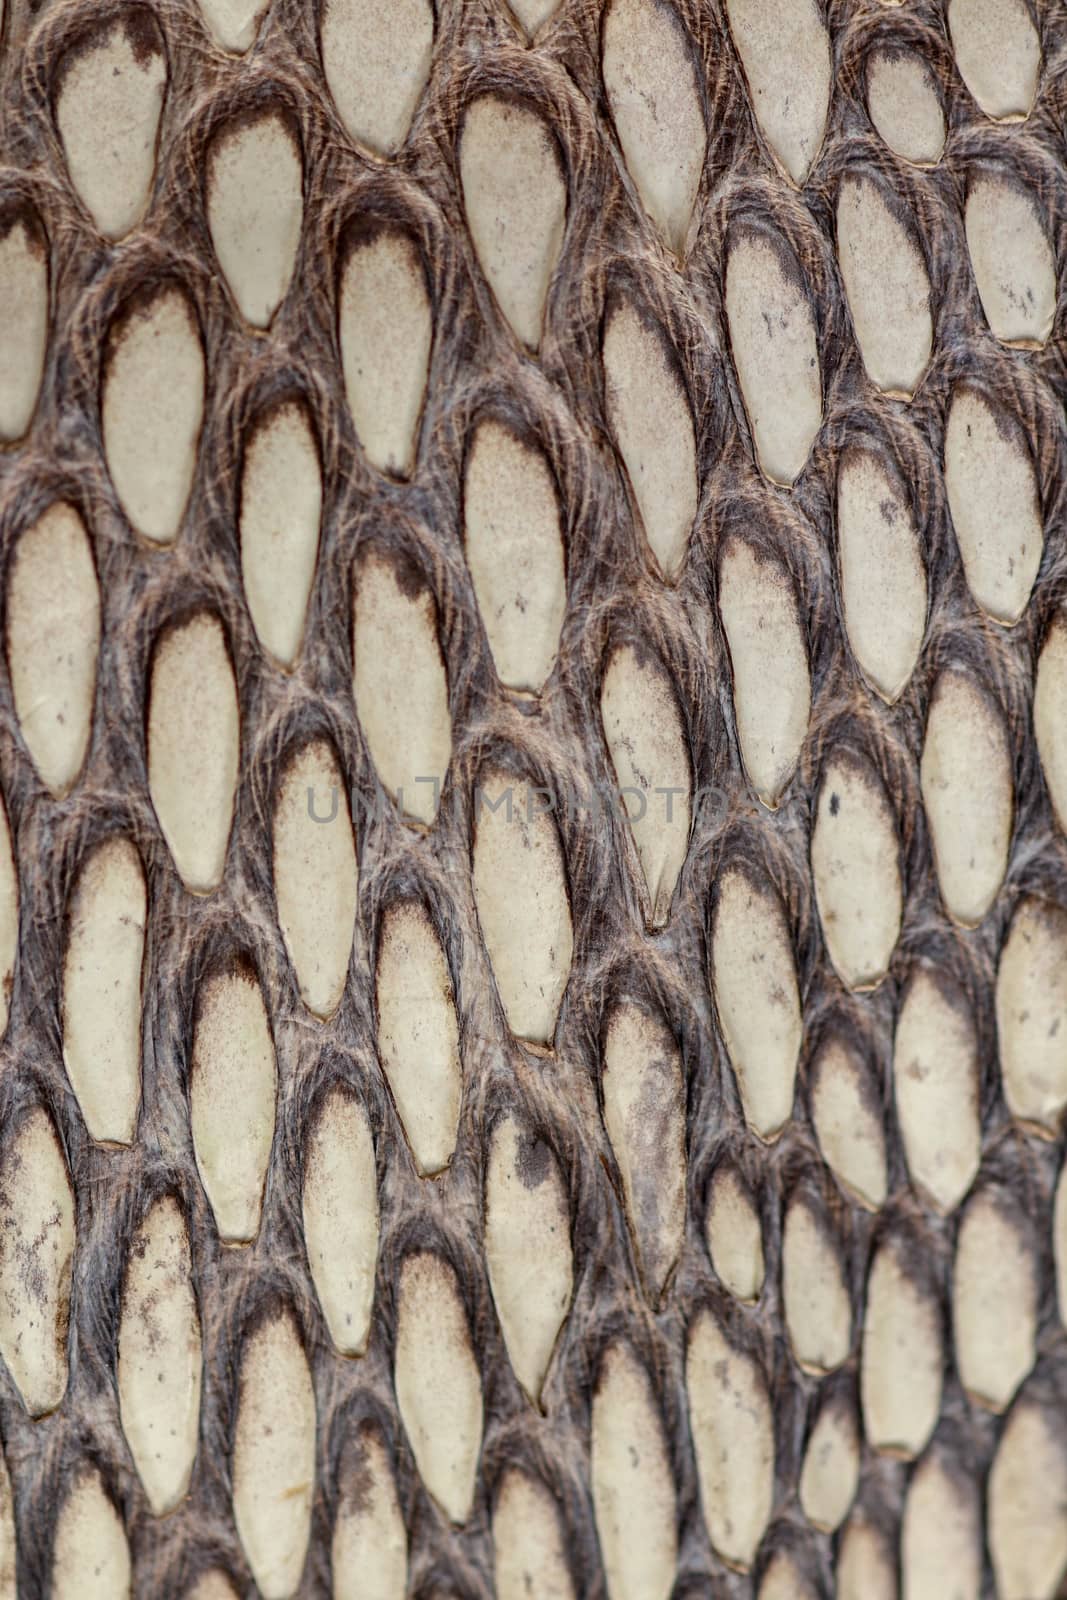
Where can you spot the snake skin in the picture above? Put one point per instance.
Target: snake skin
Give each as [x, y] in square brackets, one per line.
[614, 593]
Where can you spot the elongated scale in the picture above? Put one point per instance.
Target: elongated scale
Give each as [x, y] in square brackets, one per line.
[521, 893]
[53, 636]
[855, 862]
[516, 203]
[643, 1089]
[887, 286]
[316, 878]
[998, 54]
[847, 1114]
[159, 1358]
[24, 283]
[652, 84]
[400, 685]
[281, 512]
[418, 1034]
[817, 1305]
[107, 110]
[831, 1470]
[36, 1261]
[232, 1095]
[340, 1214]
[438, 1385]
[941, 1543]
[194, 747]
[368, 1553]
[1012, 261]
[968, 795]
[529, 1555]
[883, 576]
[904, 105]
[994, 1305]
[769, 667]
[376, 57]
[902, 1356]
[527, 1248]
[936, 1088]
[512, 528]
[755, 986]
[255, 211]
[385, 331]
[785, 52]
[1031, 1000]
[733, 1437]
[779, 379]
[652, 422]
[151, 428]
[735, 1236]
[992, 495]
[650, 754]
[274, 1455]
[632, 1483]
[865, 1568]
[91, 1556]
[1025, 1497]
[102, 989]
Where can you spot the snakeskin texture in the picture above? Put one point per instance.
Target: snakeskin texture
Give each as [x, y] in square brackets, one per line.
[742, 981]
